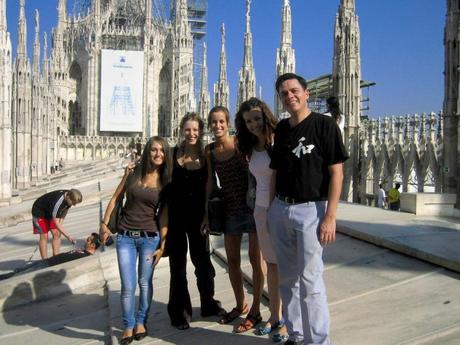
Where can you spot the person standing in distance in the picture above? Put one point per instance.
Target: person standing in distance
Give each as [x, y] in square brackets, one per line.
[333, 110]
[48, 213]
[308, 156]
[393, 198]
[381, 197]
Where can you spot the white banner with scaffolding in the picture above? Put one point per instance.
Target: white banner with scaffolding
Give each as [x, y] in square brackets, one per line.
[121, 90]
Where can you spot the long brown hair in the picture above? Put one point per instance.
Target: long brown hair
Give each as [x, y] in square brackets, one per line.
[247, 140]
[333, 107]
[165, 168]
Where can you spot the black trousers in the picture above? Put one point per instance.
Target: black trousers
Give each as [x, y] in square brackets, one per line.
[181, 232]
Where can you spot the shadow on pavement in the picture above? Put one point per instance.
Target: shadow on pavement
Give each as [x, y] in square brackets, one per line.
[25, 243]
[58, 311]
[11, 264]
[199, 336]
[203, 330]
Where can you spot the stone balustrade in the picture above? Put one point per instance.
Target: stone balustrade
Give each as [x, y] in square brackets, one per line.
[405, 149]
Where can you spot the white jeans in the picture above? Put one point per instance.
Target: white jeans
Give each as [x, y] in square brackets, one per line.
[294, 231]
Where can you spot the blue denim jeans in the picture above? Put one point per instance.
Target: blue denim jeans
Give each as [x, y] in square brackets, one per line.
[132, 251]
[294, 232]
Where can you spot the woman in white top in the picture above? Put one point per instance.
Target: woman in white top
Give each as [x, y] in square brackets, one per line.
[255, 126]
[333, 110]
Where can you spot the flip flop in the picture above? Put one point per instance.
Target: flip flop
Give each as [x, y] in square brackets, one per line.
[264, 330]
[278, 337]
[248, 323]
[233, 314]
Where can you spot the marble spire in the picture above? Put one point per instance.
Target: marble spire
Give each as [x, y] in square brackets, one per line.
[247, 74]
[346, 86]
[3, 23]
[36, 68]
[204, 103]
[451, 111]
[22, 32]
[6, 139]
[221, 88]
[285, 54]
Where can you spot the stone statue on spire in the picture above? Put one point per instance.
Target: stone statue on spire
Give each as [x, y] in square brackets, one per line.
[247, 74]
[248, 14]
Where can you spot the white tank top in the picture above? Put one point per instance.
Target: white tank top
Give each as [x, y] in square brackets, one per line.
[259, 167]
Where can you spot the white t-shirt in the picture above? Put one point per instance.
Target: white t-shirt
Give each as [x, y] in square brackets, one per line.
[259, 167]
[381, 198]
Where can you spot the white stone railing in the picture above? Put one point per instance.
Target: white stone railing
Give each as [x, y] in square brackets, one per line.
[405, 149]
[79, 147]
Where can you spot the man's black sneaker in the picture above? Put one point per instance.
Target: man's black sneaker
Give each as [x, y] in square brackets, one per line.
[292, 342]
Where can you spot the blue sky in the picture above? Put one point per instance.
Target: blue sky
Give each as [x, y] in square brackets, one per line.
[401, 45]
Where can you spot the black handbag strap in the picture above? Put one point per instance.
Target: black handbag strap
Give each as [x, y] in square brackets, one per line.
[212, 158]
[117, 210]
[212, 161]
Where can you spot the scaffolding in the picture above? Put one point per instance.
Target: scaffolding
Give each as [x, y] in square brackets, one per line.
[131, 13]
[197, 11]
[160, 8]
[197, 17]
[321, 88]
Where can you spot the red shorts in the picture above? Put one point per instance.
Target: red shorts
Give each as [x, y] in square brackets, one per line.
[42, 225]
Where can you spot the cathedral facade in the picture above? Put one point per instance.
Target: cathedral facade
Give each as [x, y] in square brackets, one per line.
[5, 106]
[56, 101]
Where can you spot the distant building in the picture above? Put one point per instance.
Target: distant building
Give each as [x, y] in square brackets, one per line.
[115, 71]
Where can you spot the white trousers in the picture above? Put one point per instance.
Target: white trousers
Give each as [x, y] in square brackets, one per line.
[294, 230]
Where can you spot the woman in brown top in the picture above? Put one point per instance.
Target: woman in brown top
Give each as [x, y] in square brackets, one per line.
[139, 236]
[232, 170]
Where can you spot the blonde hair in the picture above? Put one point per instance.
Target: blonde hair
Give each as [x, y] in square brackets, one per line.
[75, 196]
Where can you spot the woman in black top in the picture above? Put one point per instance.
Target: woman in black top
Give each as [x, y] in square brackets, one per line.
[186, 211]
[140, 239]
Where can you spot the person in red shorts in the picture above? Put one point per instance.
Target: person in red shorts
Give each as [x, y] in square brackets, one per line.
[48, 213]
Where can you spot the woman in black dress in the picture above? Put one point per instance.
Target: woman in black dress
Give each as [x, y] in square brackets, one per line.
[186, 210]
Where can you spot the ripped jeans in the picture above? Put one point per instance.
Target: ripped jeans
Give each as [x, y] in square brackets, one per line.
[134, 252]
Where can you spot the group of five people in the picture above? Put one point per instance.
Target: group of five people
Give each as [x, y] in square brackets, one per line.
[296, 168]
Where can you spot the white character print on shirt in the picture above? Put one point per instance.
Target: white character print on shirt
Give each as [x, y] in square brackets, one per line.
[302, 149]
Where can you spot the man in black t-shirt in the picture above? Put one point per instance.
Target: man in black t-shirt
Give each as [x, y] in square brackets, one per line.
[307, 156]
[92, 243]
[48, 213]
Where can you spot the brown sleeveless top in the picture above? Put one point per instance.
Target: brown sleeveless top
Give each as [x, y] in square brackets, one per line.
[138, 212]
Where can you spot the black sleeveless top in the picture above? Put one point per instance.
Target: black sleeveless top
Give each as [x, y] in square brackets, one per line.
[188, 190]
[233, 176]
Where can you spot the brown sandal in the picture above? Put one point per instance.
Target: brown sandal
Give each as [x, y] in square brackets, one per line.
[248, 323]
[233, 314]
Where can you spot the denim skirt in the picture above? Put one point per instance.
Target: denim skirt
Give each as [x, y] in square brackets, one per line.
[240, 224]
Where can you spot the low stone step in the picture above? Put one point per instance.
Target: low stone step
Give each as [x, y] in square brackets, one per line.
[72, 277]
